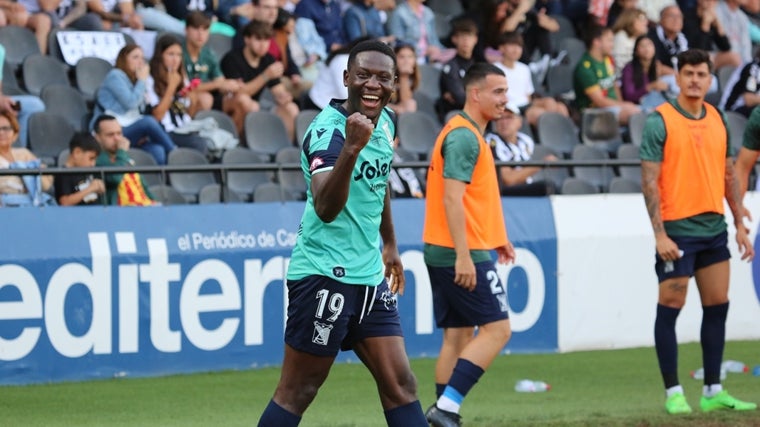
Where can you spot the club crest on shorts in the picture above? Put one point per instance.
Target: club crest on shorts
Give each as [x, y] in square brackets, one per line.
[321, 333]
[389, 300]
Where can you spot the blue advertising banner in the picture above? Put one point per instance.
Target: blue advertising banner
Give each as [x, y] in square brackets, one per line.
[90, 292]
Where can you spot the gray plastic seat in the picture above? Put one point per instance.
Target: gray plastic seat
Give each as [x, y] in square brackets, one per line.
[89, 73]
[558, 133]
[19, 42]
[222, 119]
[291, 180]
[636, 127]
[167, 195]
[143, 158]
[599, 176]
[629, 152]
[67, 102]
[303, 121]
[244, 183]
[430, 77]
[272, 192]
[265, 133]
[213, 193]
[600, 129]
[189, 184]
[39, 71]
[621, 185]
[736, 123]
[554, 174]
[578, 186]
[49, 134]
[417, 132]
[219, 44]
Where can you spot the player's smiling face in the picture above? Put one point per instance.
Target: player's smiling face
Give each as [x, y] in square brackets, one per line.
[370, 81]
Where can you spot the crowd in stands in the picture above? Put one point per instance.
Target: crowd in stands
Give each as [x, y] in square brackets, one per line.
[263, 68]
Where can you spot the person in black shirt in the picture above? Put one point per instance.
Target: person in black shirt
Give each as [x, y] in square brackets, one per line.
[80, 189]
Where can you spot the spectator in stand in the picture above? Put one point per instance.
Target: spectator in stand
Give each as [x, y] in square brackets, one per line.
[17, 190]
[69, 14]
[257, 69]
[280, 49]
[326, 15]
[738, 28]
[126, 189]
[179, 9]
[361, 19]
[631, 24]
[521, 91]
[329, 83]
[123, 94]
[261, 10]
[308, 49]
[20, 106]
[594, 77]
[669, 40]
[703, 30]
[408, 74]
[171, 98]
[742, 92]
[617, 9]
[464, 36]
[599, 12]
[80, 189]
[116, 14]
[508, 144]
[640, 81]
[214, 90]
[40, 22]
[413, 23]
[653, 8]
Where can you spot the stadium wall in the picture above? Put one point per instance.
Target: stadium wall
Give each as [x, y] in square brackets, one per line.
[91, 293]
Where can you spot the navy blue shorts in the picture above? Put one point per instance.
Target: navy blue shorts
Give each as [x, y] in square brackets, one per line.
[326, 316]
[698, 252]
[456, 307]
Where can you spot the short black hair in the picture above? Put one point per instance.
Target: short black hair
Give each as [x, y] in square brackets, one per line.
[85, 142]
[695, 57]
[592, 32]
[510, 37]
[100, 119]
[372, 45]
[283, 16]
[259, 29]
[479, 71]
[463, 25]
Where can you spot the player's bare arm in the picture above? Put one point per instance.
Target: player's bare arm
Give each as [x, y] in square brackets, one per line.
[464, 268]
[650, 173]
[330, 189]
[745, 161]
[734, 199]
[394, 270]
[506, 253]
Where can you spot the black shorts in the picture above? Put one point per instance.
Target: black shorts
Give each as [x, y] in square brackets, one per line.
[326, 316]
[456, 307]
[698, 252]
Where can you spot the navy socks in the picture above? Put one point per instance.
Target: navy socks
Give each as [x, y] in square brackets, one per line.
[713, 338]
[666, 344]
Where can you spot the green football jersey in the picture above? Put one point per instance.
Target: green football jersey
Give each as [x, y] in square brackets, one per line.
[348, 248]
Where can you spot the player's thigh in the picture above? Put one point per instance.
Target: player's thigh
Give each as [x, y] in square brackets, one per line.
[386, 359]
[712, 282]
[672, 292]
[302, 371]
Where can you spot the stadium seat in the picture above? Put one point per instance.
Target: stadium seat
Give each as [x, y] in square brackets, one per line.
[624, 185]
[167, 195]
[599, 176]
[19, 42]
[265, 133]
[578, 186]
[430, 77]
[566, 30]
[629, 152]
[417, 132]
[636, 127]
[189, 184]
[446, 7]
[271, 192]
[63, 156]
[442, 26]
[736, 124]
[425, 104]
[89, 73]
[303, 120]
[450, 114]
[10, 82]
[243, 183]
[143, 158]
[222, 119]
[558, 133]
[291, 180]
[212, 193]
[49, 134]
[555, 174]
[600, 129]
[724, 75]
[39, 71]
[219, 44]
[67, 102]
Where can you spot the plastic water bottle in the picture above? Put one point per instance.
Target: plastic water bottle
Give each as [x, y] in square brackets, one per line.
[530, 386]
[734, 366]
[700, 374]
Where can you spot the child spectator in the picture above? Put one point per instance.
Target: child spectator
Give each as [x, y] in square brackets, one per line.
[80, 189]
[521, 92]
[464, 36]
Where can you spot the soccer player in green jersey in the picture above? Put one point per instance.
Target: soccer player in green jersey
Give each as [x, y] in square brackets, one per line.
[338, 295]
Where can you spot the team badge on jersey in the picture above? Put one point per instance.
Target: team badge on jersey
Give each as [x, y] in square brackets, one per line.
[339, 271]
[321, 333]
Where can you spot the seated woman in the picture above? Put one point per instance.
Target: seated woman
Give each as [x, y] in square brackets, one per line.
[171, 100]
[640, 80]
[122, 95]
[23, 190]
[408, 79]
